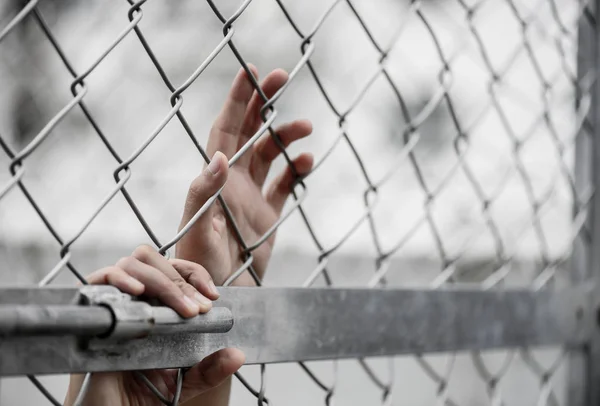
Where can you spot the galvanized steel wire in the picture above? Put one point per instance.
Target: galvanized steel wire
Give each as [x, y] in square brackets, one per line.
[565, 45]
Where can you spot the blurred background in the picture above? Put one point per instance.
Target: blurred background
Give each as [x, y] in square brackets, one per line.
[488, 200]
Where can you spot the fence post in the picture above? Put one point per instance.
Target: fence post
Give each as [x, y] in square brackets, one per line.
[584, 366]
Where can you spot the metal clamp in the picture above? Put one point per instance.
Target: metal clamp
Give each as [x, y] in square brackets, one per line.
[136, 319]
[131, 319]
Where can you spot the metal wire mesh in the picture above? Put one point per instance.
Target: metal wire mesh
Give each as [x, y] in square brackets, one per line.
[481, 173]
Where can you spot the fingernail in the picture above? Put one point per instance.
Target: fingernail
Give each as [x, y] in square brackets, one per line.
[202, 301]
[214, 166]
[190, 304]
[213, 288]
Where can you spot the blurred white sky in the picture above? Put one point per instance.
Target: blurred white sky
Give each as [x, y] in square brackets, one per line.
[71, 172]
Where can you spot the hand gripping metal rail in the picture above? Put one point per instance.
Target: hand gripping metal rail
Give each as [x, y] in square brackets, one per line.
[97, 328]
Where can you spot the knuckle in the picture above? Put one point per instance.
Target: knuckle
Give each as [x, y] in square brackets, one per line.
[189, 270]
[107, 275]
[111, 270]
[199, 272]
[181, 284]
[125, 263]
[143, 252]
[200, 279]
[95, 277]
[196, 268]
[166, 287]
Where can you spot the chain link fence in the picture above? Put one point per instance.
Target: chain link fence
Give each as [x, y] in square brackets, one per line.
[444, 142]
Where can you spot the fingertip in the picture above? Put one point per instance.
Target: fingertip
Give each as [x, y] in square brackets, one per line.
[237, 356]
[240, 93]
[281, 73]
[189, 307]
[252, 68]
[136, 287]
[205, 286]
[223, 165]
[232, 359]
[218, 164]
[213, 291]
[215, 368]
[304, 163]
[306, 126]
[222, 159]
[204, 303]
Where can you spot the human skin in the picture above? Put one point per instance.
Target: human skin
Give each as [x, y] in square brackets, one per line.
[209, 252]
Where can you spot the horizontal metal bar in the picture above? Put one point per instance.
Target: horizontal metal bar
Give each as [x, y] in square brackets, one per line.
[54, 320]
[96, 321]
[279, 325]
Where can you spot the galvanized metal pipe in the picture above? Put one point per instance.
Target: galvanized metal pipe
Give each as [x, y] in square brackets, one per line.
[54, 320]
[93, 321]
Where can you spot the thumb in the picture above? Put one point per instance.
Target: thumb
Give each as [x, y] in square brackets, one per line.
[212, 178]
[211, 372]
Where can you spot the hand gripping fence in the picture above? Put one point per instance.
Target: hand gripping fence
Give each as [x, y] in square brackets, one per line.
[489, 174]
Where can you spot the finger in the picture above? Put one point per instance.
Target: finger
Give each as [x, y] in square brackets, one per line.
[212, 371]
[281, 187]
[266, 150]
[150, 256]
[226, 129]
[213, 177]
[164, 380]
[197, 276]
[252, 119]
[117, 277]
[158, 285]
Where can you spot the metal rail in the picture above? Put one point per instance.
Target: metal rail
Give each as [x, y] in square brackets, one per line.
[277, 325]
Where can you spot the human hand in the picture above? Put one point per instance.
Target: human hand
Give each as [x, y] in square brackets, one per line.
[188, 289]
[210, 242]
